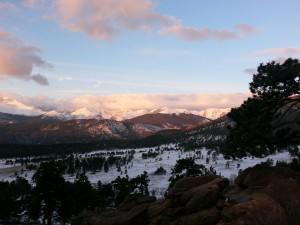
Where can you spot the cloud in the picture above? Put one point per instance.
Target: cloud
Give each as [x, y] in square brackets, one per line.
[4, 6]
[106, 19]
[250, 71]
[246, 29]
[35, 4]
[40, 79]
[13, 106]
[291, 50]
[132, 102]
[102, 19]
[165, 52]
[18, 60]
[196, 34]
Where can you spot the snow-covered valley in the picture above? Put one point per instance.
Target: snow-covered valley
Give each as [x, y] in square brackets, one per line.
[166, 158]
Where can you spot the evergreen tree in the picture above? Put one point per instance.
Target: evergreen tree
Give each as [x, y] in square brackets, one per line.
[48, 189]
[187, 168]
[105, 195]
[106, 167]
[267, 121]
[85, 195]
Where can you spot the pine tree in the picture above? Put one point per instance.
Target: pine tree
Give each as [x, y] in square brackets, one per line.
[48, 188]
[267, 121]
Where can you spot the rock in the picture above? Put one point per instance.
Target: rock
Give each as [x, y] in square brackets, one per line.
[135, 216]
[226, 214]
[261, 175]
[187, 183]
[205, 197]
[133, 200]
[239, 198]
[220, 204]
[204, 217]
[261, 196]
[286, 192]
[221, 182]
[145, 199]
[174, 211]
[222, 223]
[263, 210]
[156, 208]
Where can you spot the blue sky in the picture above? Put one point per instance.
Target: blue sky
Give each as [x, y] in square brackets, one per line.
[148, 55]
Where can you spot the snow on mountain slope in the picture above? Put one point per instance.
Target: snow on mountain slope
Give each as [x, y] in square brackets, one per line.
[85, 113]
[123, 115]
[214, 113]
[70, 111]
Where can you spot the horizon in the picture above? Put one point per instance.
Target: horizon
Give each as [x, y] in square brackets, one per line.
[119, 104]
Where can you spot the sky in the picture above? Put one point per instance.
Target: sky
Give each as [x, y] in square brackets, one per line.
[65, 49]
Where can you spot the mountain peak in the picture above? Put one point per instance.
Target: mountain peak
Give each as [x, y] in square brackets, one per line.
[71, 111]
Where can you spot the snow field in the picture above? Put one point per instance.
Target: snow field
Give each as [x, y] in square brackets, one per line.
[167, 159]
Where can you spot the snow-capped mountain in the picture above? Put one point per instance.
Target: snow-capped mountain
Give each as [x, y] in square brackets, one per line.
[214, 113]
[85, 113]
[68, 112]
[50, 129]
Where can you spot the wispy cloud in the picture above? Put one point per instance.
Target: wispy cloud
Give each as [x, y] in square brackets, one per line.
[105, 20]
[35, 4]
[291, 50]
[102, 19]
[197, 34]
[165, 52]
[17, 60]
[4, 6]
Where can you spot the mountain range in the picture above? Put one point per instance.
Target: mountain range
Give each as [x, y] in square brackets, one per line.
[49, 125]
[40, 129]
[89, 111]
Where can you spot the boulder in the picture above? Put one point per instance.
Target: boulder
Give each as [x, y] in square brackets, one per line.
[204, 217]
[133, 200]
[220, 183]
[261, 196]
[157, 208]
[239, 198]
[226, 215]
[204, 197]
[187, 183]
[261, 175]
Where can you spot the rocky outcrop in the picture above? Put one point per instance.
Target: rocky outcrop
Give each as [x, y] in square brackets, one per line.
[260, 196]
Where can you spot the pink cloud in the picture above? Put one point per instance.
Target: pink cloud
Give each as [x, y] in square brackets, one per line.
[246, 29]
[102, 19]
[291, 50]
[196, 34]
[35, 4]
[105, 19]
[124, 102]
[7, 6]
[18, 60]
